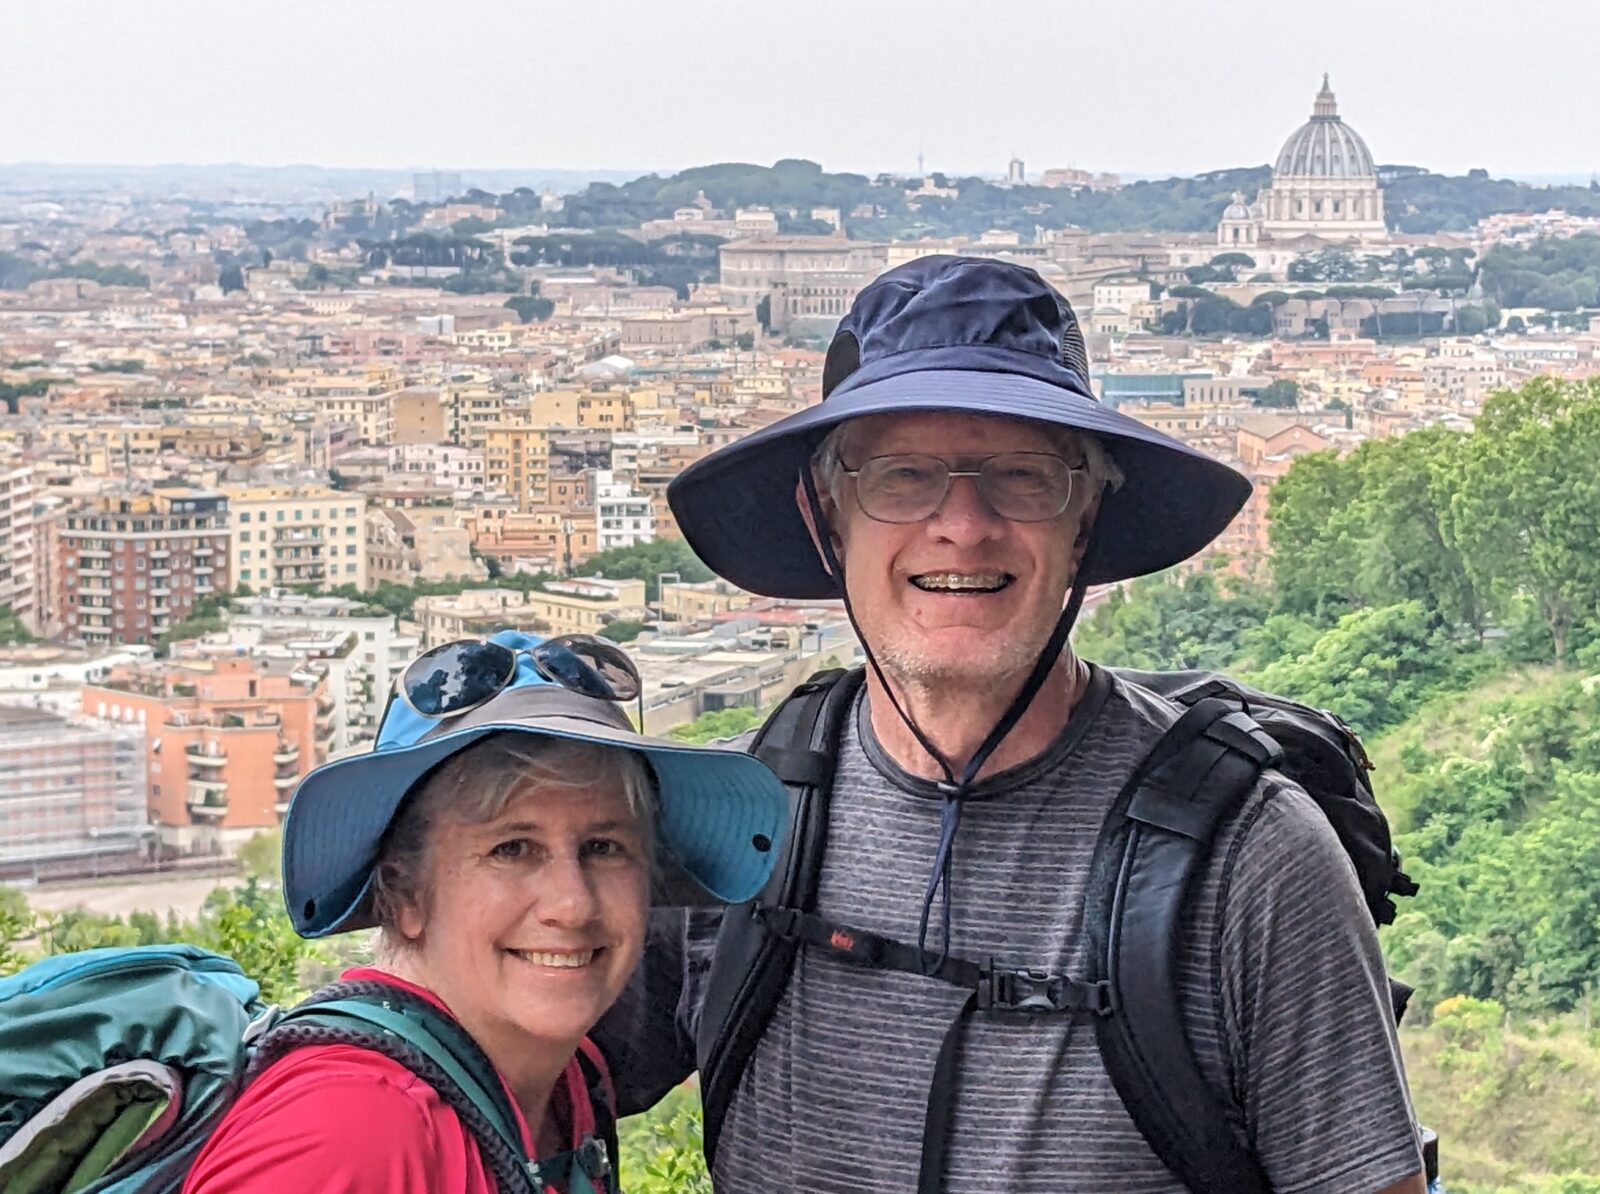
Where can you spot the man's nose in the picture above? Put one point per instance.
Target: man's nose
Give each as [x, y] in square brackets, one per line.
[965, 515]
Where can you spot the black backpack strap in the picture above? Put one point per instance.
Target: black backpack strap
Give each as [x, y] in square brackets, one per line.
[751, 967]
[991, 989]
[1147, 862]
[602, 1099]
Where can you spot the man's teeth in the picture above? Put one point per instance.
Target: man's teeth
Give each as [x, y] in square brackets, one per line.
[961, 582]
[572, 961]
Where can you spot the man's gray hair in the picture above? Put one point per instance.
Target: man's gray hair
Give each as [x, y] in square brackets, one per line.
[473, 787]
[828, 460]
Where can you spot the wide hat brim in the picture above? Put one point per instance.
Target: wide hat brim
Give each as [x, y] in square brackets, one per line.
[720, 818]
[737, 508]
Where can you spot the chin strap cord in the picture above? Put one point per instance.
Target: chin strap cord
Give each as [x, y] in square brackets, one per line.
[952, 789]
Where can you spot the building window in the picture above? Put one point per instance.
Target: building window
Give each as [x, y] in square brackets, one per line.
[280, 515]
[244, 516]
[299, 515]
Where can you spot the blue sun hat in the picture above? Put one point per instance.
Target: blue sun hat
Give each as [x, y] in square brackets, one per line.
[961, 334]
[720, 814]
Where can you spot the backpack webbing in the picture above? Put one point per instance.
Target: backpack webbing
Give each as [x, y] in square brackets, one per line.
[413, 1033]
[1149, 855]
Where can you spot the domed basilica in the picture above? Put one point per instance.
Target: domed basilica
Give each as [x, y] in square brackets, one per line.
[1324, 186]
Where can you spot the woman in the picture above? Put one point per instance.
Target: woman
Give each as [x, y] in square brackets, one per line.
[504, 836]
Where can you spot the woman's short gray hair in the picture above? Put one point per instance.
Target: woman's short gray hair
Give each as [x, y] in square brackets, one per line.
[828, 460]
[474, 786]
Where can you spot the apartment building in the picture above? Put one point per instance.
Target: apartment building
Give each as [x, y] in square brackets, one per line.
[589, 410]
[225, 742]
[623, 515]
[585, 606]
[419, 542]
[419, 416]
[470, 410]
[18, 582]
[447, 466]
[363, 648]
[516, 462]
[283, 536]
[475, 613]
[134, 566]
[364, 401]
[72, 796]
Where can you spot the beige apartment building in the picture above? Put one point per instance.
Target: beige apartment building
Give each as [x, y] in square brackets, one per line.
[18, 584]
[470, 410]
[419, 416]
[585, 410]
[800, 276]
[585, 606]
[364, 401]
[516, 461]
[297, 535]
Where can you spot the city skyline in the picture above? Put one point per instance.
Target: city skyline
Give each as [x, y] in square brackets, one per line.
[618, 87]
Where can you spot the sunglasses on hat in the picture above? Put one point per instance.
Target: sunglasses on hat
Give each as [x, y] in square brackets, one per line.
[459, 676]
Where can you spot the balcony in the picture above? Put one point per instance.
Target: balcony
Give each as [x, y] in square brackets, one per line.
[208, 799]
[324, 704]
[204, 550]
[159, 553]
[286, 752]
[285, 783]
[207, 755]
[281, 807]
[87, 571]
[94, 551]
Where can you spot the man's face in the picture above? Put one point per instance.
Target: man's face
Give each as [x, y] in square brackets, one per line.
[964, 596]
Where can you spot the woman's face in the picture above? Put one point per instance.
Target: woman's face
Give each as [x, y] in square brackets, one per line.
[535, 920]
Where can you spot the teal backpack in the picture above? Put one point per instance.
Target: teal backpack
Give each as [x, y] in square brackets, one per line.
[117, 1064]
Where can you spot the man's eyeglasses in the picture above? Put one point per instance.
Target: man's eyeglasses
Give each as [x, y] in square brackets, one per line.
[1021, 486]
[458, 677]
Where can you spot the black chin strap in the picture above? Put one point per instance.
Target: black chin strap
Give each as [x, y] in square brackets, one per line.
[952, 789]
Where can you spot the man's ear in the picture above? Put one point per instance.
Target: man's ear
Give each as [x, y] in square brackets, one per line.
[1080, 541]
[829, 513]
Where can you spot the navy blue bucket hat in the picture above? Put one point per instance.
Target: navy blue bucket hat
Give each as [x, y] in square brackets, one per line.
[720, 814]
[961, 334]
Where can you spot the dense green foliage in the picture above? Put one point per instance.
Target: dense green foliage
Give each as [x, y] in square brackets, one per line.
[648, 562]
[719, 723]
[18, 272]
[12, 628]
[1558, 274]
[1423, 202]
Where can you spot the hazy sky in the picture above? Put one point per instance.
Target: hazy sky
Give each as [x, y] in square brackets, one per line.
[1140, 86]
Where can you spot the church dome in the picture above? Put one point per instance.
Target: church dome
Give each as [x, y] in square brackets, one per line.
[1237, 209]
[1325, 146]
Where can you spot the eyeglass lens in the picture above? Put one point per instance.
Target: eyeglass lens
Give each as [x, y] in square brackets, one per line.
[1021, 486]
[589, 665]
[457, 676]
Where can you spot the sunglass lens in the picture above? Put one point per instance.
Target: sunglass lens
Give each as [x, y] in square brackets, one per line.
[457, 677]
[591, 666]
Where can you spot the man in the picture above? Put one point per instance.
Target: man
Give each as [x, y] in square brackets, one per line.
[959, 487]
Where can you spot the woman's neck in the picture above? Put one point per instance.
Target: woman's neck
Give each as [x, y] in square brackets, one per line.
[530, 1067]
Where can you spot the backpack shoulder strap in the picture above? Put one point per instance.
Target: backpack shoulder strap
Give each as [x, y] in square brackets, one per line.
[1147, 861]
[751, 967]
[602, 1095]
[415, 1034]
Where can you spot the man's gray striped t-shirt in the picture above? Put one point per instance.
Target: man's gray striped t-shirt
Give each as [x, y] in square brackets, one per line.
[1283, 991]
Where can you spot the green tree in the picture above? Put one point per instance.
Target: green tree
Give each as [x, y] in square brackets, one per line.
[1282, 393]
[1527, 507]
[16, 925]
[719, 723]
[1173, 621]
[647, 562]
[1375, 667]
[622, 630]
[12, 628]
[530, 308]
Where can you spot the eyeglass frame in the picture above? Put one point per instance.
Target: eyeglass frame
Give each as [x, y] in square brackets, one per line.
[950, 475]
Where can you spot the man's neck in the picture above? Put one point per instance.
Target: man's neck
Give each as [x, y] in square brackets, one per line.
[956, 719]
